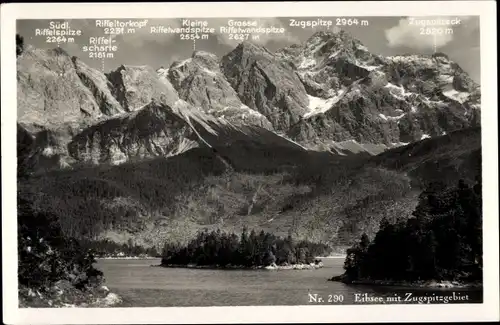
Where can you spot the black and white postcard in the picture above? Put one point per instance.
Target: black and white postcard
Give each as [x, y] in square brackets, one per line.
[249, 162]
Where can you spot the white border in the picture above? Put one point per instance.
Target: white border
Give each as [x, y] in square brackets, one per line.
[489, 310]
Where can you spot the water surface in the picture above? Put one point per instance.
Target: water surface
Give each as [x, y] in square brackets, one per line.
[141, 285]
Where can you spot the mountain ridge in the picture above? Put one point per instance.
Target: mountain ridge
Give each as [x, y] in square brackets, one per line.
[329, 93]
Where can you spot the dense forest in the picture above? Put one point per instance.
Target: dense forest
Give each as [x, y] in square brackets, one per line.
[46, 256]
[222, 249]
[318, 195]
[442, 241]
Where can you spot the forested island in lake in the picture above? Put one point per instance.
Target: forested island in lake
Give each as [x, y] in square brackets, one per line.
[217, 249]
[440, 246]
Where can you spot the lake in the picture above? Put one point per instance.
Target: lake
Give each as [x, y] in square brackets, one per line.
[141, 285]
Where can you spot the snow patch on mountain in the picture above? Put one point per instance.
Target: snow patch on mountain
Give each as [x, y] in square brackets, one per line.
[162, 72]
[289, 140]
[209, 72]
[366, 67]
[307, 63]
[184, 146]
[399, 92]
[399, 144]
[391, 118]
[412, 59]
[320, 105]
[318, 47]
[178, 64]
[189, 114]
[48, 151]
[361, 47]
[245, 113]
[445, 78]
[334, 54]
[456, 95]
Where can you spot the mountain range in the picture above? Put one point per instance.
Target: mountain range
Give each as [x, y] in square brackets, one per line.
[321, 139]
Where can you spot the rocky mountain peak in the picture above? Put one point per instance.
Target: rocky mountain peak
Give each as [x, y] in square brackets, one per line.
[100, 86]
[441, 56]
[324, 92]
[136, 86]
[58, 51]
[50, 90]
[331, 40]
[247, 50]
[247, 45]
[325, 36]
[199, 62]
[155, 129]
[206, 59]
[200, 82]
[265, 83]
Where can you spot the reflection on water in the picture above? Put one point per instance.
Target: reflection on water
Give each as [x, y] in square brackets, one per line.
[141, 285]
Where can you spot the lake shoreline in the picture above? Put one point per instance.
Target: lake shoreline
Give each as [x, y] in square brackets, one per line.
[429, 284]
[128, 258]
[159, 257]
[310, 266]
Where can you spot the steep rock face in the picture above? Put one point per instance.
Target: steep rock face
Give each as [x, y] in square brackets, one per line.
[200, 82]
[266, 84]
[163, 125]
[58, 96]
[329, 61]
[369, 100]
[69, 113]
[441, 96]
[136, 86]
[25, 151]
[355, 120]
[328, 94]
[100, 87]
[49, 90]
[153, 130]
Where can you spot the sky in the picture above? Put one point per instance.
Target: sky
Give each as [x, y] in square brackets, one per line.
[381, 35]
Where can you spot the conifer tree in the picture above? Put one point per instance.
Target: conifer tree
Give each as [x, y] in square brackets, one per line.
[19, 45]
